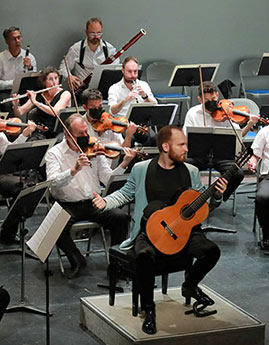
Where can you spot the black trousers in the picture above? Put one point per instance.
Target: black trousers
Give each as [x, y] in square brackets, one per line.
[221, 166]
[4, 300]
[262, 206]
[198, 247]
[114, 220]
[10, 188]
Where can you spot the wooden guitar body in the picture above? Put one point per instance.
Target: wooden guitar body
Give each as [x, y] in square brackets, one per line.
[169, 230]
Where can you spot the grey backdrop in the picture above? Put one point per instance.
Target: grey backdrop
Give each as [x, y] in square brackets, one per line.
[181, 31]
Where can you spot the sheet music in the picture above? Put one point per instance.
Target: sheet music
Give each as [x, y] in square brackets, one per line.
[43, 240]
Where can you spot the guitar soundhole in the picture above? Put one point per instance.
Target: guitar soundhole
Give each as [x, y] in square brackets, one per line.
[186, 212]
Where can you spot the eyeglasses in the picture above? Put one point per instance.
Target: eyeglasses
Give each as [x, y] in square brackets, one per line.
[95, 34]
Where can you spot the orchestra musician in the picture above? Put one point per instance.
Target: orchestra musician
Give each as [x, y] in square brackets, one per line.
[84, 55]
[74, 180]
[260, 147]
[129, 89]
[13, 60]
[92, 102]
[10, 186]
[57, 97]
[194, 118]
[4, 301]
[158, 180]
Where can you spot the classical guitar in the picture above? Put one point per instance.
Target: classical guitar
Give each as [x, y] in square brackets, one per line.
[169, 229]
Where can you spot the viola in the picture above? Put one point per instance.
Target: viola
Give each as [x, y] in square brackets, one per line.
[238, 114]
[14, 125]
[117, 124]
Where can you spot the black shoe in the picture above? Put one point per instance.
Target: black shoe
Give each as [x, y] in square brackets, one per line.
[10, 239]
[77, 268]
[196, 293]
[149, 324]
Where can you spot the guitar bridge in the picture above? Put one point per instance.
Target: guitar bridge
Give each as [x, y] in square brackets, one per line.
[169, 230]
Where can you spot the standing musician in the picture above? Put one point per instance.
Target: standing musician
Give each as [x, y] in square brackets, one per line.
[57, 97]
[84, 55]
[158, 180]
[194, 118]
[129, 89]
[260, 149]
[9, 184]
[92, 102]
[74, 180]
[13, 60]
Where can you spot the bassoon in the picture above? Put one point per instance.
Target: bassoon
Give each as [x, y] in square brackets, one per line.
[112, 58]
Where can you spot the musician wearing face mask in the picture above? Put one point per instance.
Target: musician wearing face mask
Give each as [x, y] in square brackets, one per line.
[13, 60]
[194, 118]
[129, 89]
[74, 180]
[92, 102]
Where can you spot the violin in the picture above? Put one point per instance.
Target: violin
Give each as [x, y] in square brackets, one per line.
[96, 147]
[117, 124]
[14, 125]
[238, 114]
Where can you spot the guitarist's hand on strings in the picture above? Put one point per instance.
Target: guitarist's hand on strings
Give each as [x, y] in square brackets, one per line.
[98, 202]
[220, 186]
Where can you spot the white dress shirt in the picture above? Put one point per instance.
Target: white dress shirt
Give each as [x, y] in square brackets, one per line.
[10, 66]
[117, 92]
[195, 118]
[90, 59]
[65, 187]
[260, 147]
[4, 141]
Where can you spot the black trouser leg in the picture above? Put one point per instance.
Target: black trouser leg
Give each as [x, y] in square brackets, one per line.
[262, 207]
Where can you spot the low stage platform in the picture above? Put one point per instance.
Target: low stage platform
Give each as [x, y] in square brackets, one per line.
[116, 325]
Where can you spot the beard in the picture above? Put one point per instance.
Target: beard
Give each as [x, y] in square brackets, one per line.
[177, 158]
[128, 81]
[94, 41]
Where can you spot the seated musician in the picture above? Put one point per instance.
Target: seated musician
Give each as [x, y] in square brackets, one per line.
[82, 56]
[74, 180]
[158, 180]
[9, 184]
[57, 98]
[260, 148]
[129, 89]
[92, 102]
[13, 60]
[4, 301]
[194, 118]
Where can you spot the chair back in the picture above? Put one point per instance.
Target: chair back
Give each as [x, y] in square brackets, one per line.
[252, 106]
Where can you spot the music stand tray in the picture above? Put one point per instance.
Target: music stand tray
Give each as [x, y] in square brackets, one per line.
[148, 114]
[263, 68]
[189, 75]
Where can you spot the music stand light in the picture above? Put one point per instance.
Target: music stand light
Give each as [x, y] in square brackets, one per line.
[22, 209]
[209, 143]
[264, 65]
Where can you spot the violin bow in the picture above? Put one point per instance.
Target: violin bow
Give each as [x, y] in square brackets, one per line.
[202, 94]
[70, 84]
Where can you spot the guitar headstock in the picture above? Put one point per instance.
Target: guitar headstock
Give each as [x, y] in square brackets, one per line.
[244, 156]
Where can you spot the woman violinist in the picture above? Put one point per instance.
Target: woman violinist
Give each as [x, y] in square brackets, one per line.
[57, 97]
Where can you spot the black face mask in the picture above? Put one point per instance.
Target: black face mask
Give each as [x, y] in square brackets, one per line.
[96, 113]
[83, 142]
[211, 106]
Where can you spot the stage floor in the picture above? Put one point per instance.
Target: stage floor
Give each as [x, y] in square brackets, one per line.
[116, 325]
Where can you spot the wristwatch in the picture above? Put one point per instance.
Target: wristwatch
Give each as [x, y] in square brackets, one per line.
[145, 97]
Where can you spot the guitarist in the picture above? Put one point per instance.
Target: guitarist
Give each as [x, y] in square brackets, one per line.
[158, 179]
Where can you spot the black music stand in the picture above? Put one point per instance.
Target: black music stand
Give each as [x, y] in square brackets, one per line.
[22, 209]
[189, 75]
[208, 143]
[264, 65]
[64, 115]
[26, 81]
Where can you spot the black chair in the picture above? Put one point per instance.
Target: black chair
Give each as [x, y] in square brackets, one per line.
[122, 265]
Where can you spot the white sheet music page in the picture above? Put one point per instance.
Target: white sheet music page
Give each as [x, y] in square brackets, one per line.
[43, 240]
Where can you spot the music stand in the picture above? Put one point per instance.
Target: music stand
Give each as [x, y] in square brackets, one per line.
[189, 75]
[263, 68]
[148, 114]
[64, 115]
[25, 81]
[106, 75]
[209, 143]
[22, 209]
